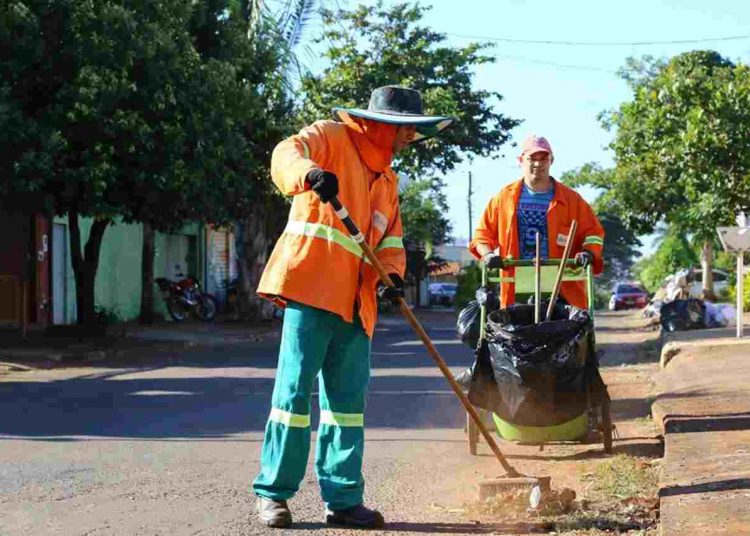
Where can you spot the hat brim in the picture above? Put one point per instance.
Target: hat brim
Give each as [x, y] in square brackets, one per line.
[426, 126]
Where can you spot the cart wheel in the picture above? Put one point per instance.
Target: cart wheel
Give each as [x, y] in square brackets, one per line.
[472, 433]
[606, 425]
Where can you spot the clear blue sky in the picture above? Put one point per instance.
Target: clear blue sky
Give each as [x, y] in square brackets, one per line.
[559, 90]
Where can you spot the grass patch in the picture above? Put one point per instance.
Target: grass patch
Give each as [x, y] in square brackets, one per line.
[622, 497]
[624, 477]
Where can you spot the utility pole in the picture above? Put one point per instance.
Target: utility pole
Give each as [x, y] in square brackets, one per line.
[468, 201]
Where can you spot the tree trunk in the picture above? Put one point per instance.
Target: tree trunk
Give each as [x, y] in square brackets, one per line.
[418, 292]
[707, 262]
[256, 237]
[147, 275]
[85, 265]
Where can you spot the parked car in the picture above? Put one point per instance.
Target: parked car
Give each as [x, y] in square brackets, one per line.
[442, 293]
[721, 282]
[628, 296]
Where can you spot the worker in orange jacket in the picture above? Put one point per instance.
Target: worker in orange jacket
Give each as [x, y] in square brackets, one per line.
[328, 288]
[537, 203]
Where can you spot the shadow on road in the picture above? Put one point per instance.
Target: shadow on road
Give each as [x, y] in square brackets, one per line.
[118, 404]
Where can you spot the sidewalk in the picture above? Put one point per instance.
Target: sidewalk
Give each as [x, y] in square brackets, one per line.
[126, 341]
[703, 408]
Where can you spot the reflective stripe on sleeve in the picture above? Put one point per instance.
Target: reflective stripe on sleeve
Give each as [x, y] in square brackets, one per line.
[326, 232]
[331, 234]
[293, 420]
[593, 239]
[306, 149]
[395, 242]
[342, 419]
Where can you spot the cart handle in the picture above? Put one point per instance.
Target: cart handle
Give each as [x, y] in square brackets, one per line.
[511, 263]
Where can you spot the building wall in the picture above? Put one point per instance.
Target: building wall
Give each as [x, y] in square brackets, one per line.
[118, 279]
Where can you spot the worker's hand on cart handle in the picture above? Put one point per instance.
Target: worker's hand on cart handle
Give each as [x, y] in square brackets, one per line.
[393, 293]
[492, 260]
[486, 297]
[323, 183]
[584, 258]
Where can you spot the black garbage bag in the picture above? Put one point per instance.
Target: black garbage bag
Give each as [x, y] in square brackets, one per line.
[467, 325]
[537, 374]
[680, 315]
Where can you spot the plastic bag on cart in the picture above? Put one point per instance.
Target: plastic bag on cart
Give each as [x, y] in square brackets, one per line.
[537, 374]
[680, 315]
[467, 325]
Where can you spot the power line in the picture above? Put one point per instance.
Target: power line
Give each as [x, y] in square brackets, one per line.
[554, 64]
[600, 43]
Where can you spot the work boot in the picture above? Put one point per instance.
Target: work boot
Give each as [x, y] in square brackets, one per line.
[274, 513]
[357, 516]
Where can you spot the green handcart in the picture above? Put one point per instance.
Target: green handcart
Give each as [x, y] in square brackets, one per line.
[595, 423]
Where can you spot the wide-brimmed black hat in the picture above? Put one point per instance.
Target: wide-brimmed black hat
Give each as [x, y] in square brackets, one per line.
[399, 106]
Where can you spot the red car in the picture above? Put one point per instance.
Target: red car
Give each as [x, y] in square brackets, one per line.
[628, 296]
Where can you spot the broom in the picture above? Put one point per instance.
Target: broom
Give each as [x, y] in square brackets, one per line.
[512, 479]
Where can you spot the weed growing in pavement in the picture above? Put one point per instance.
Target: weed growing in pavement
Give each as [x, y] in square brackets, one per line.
[624, 477]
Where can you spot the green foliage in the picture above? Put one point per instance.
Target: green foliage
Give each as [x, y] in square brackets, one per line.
[673, 253]
[602, 292]
[422, 207]
[112, 111]
[745, 294]
[377, 46]
[682, 140]
[158, 112]
[107, 317]
[620, 243]
[469, 280]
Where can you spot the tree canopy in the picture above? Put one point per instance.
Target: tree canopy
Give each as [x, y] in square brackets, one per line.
[683, 140]
[133, 111]
[369, 47]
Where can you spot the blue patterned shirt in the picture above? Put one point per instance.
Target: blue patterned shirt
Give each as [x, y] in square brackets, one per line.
[532, 217]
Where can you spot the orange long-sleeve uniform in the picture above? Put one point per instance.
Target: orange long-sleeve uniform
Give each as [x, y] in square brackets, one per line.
[315, 261]
[498, 228]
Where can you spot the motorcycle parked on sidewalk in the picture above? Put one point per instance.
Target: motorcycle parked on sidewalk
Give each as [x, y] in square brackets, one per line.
[185, 296]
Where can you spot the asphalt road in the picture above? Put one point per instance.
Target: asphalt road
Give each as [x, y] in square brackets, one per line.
[171, 445]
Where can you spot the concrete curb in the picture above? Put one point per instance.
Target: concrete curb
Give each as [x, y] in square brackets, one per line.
[702, 410]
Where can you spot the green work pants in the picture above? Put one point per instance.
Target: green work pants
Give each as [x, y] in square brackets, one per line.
[317, 343]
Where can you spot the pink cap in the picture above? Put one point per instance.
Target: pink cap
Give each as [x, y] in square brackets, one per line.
[535, 144]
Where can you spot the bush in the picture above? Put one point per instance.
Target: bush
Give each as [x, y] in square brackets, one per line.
[469, 281]
[746, 293]
[601, 297]
[106, 317]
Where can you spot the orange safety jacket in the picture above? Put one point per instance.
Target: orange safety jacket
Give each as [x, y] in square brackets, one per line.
[498, 228]
[315, 261]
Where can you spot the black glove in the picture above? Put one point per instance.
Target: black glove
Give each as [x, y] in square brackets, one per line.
[485, 296]
[393, 293]
[584, 258]
[492, 261]
[323, 183]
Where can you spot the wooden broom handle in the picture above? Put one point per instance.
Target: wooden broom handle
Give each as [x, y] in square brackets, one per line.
[357, 236]
[561, 269]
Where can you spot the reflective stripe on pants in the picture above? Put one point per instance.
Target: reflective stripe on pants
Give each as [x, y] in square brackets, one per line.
[315, 341]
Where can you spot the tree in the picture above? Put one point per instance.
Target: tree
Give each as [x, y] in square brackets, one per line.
[109, 111]
[376, 46]
[220, 31]
[683, 140]
[278, 34]
[620, 243]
